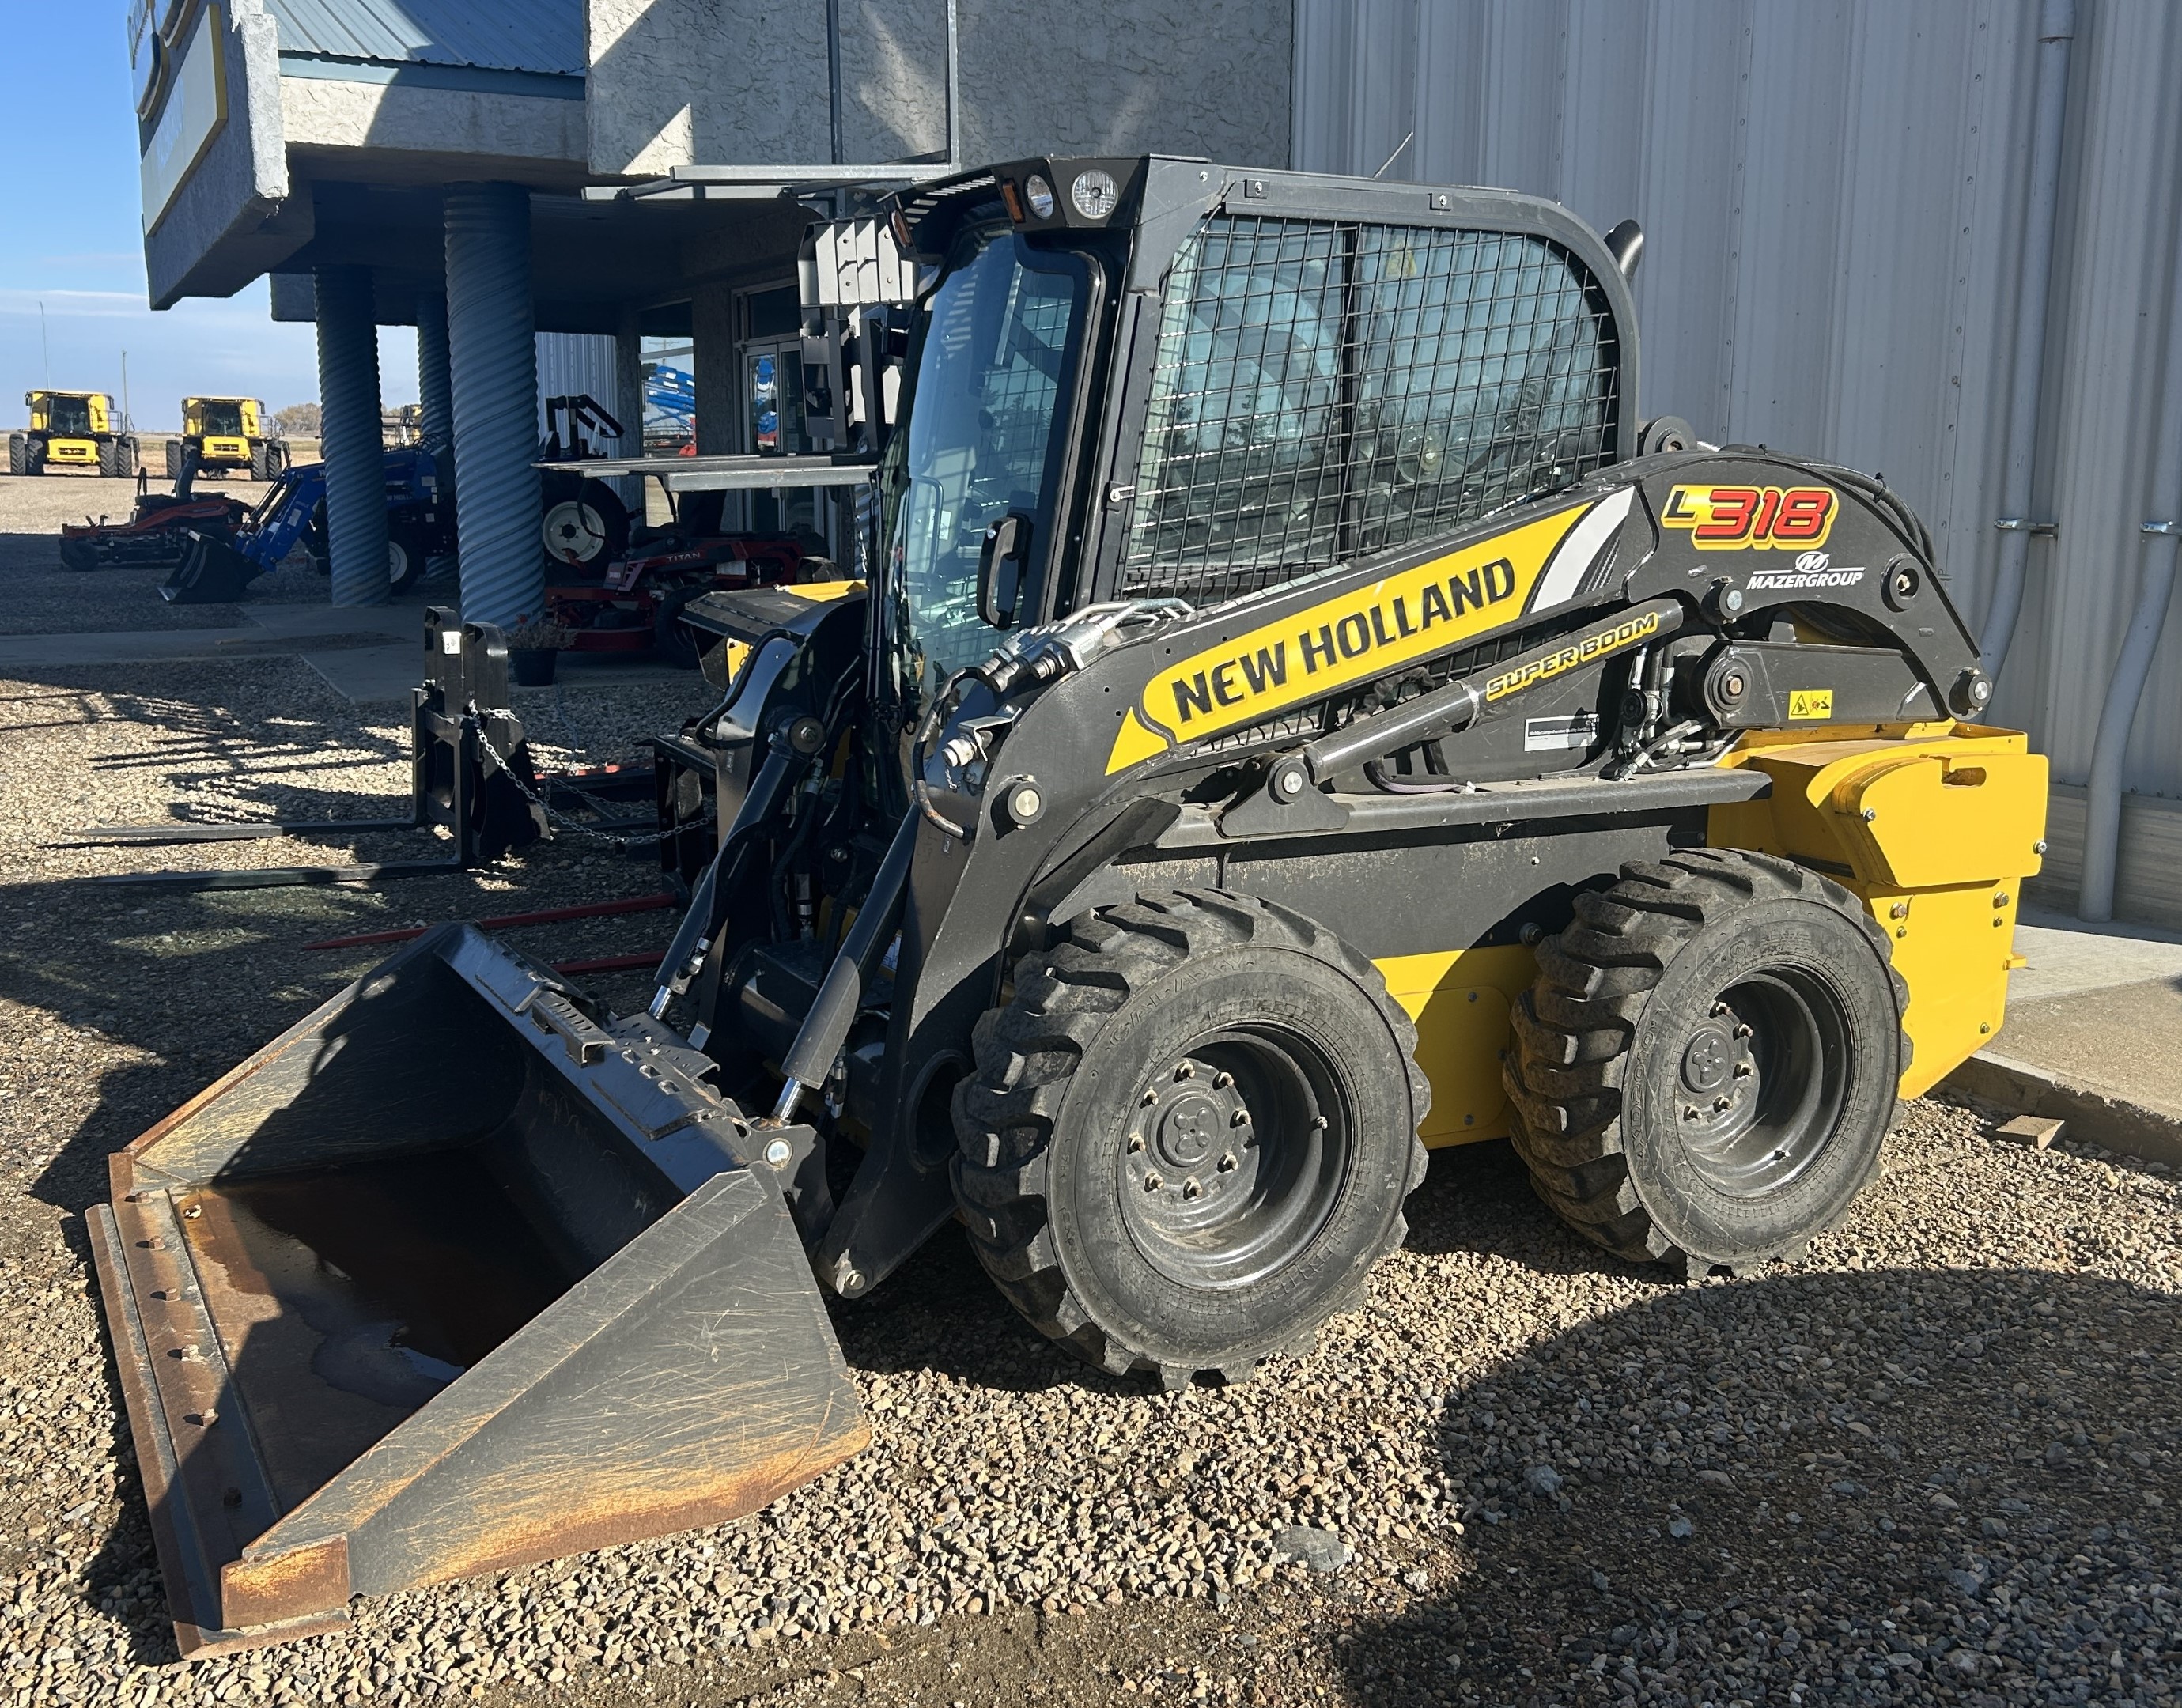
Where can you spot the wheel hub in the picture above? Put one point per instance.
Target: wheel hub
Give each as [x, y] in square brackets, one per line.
[1759, 1088]
[575, 532]
[1193, 1146]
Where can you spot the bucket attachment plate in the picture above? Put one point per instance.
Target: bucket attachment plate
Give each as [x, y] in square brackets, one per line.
[449, 1279]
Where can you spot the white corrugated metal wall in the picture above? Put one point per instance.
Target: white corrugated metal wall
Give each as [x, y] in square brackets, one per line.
[1831, 192]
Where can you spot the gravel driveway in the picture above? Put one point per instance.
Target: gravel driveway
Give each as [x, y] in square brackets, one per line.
[1936, 1462]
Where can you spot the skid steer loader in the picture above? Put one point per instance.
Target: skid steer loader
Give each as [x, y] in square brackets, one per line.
[1301, 717]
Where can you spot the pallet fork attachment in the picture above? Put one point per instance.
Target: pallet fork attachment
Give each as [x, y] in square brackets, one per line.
[470, 774]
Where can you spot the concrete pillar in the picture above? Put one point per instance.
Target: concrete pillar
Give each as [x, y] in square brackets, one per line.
[493, 357]
[628, 403]
[348, 395]
[434, 385]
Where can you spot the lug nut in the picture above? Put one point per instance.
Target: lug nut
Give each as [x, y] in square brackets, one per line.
[1228, 1162]
[1150, 1097]
[1136, 1143]
[1721, 1105]
[1743, 1070]
[1188, 1070]
[1190, 1189]
[1222, 1082]
[1241, 1118]
[1152, 1183]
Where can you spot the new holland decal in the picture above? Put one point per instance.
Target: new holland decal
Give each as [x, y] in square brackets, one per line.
[1354, 636]
[1725, 518]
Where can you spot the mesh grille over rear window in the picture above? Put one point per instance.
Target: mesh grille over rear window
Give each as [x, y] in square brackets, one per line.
[1325, 389]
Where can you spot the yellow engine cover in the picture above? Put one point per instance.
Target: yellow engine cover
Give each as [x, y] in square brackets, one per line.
[83, 451]
[225, 451]
[1935, 826]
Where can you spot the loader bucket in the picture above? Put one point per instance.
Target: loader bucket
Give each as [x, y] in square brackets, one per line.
[448, 1279]
[212, 571]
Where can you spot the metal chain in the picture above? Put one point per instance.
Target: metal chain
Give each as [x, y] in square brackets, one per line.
[577, 828]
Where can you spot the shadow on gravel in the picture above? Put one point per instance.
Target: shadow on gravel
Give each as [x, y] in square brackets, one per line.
[1946, 1485]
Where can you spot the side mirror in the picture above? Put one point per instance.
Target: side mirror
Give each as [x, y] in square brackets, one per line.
[1001, 562]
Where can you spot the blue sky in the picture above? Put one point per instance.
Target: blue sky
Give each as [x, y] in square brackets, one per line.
[73, 215]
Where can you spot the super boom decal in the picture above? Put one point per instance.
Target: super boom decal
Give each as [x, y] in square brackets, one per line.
[1355, 636]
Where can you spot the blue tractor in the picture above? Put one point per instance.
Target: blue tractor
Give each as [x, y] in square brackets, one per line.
[420, 526]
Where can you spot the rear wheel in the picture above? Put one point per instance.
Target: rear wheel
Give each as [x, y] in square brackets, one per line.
[586, 531]
[173, 459]
[1187, 1138]
[18, 453]
[405, 558]
[109, 458]
[126, 457]
[671, 642]
[1706, 1067]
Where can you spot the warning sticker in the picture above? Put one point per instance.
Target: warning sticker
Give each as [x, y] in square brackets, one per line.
[1574, 733]
[1811, 703]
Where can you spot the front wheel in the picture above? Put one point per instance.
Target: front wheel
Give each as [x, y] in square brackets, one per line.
[1188, 1137]
[1705, 1069]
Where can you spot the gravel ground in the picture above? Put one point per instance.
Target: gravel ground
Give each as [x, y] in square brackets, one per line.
[1934, 1462]
[37, 596]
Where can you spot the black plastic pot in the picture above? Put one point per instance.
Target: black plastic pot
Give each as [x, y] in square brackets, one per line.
[532, 666]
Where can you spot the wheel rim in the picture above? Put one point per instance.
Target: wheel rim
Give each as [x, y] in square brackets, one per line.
[1761, 1081]
[1236, 1152]
[397, 562]
[575, 533]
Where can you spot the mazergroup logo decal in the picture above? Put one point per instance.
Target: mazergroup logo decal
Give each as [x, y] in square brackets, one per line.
[1356, 636]
[1814, 569]
[1724, 519]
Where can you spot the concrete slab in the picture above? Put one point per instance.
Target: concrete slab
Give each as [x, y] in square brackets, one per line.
[2068, 956]
[404, 620]
[367, 673]
[2122, 1039]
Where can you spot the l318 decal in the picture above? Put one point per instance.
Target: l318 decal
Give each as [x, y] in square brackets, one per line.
[1724, 519]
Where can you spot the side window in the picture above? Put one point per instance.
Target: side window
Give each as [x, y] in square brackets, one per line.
[1323, 391]
[1240, 485]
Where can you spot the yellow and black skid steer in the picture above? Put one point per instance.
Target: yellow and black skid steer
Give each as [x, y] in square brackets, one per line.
[1301, 715]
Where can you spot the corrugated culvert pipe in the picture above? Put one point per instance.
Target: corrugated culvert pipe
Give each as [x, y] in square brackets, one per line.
[349, 432]
[492, 352]
[2057, 28]
[2095, 891]
[434, 385]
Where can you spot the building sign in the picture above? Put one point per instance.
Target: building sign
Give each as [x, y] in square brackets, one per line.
[190, 116]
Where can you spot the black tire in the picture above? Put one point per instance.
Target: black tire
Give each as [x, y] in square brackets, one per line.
[80, 555]
[126, 455]
[18, 453]
[1244, 1003]
[109, 458]
[405, 558]
[584, 531]
[671, 642]
[173, 459]
[1706, 1066]
[34, 455]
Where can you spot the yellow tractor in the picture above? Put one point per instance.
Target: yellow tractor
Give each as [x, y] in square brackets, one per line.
[71, 429]
[228, 434]
[1302, 717]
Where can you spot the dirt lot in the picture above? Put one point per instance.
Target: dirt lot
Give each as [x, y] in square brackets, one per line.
[1936, 1462]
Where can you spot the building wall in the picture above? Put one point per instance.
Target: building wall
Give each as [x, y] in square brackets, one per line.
[1832, 193]
[674, 82]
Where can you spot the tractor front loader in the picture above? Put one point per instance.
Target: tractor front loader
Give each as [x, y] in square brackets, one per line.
[1301, 717]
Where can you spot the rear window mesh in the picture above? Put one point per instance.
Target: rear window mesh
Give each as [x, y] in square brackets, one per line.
[1325, 389]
